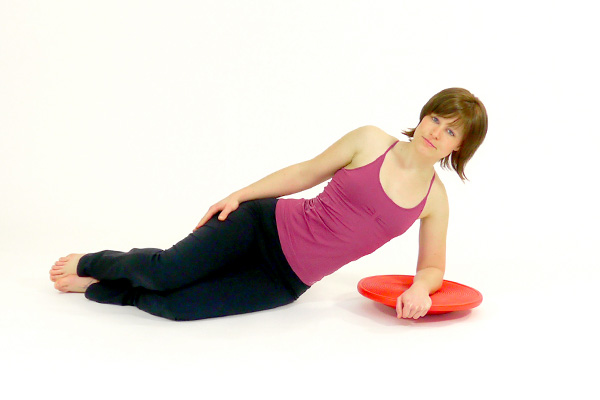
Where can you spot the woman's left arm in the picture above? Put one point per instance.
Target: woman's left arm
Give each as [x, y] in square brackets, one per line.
[431, 264]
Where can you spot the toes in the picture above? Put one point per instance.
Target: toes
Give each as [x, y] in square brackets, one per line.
[58, 285]
[64, 284]
[56, 274]
[73, 284]
[64, 267]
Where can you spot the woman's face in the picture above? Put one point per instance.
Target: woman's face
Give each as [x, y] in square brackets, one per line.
[438, 135]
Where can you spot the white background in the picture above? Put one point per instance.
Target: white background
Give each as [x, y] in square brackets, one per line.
[121, 122]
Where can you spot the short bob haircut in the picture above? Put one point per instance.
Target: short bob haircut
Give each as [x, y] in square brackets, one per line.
[469, 113]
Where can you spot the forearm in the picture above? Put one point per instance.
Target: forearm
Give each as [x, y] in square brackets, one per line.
[292, 179]
[304, 175]
[289, 180]
[428, 279]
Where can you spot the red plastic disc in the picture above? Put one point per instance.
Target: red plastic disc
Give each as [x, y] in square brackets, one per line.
[452, 296]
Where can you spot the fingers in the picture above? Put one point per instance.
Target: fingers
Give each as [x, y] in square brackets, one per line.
[410, 310]
[414, 312]
[225, 211]
[211, 211]
[228, 209]
[202, 222]
[223, 215]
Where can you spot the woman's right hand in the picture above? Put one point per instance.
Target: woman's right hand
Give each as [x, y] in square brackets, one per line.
[225, 206]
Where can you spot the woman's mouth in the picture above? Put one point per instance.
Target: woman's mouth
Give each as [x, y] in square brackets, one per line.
[429, 143]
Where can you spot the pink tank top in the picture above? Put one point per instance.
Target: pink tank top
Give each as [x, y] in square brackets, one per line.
[351, 218]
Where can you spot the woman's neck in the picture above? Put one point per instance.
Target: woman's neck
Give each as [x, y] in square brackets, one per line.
[412, 161]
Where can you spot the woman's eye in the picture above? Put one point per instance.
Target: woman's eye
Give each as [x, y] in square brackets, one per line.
[434, 119]
[450, 132]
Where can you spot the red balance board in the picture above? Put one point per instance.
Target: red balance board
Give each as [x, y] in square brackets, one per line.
[452, 296]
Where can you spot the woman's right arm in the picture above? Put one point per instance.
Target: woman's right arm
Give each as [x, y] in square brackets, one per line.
[297, 177]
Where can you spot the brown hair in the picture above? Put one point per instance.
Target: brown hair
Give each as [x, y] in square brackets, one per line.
[470, 114]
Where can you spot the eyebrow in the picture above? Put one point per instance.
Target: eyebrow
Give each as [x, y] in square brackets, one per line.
[457, 123]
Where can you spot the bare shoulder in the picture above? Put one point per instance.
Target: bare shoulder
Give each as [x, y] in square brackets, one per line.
[372, 135]
[370, 142]
[353, 147]
[437, 205]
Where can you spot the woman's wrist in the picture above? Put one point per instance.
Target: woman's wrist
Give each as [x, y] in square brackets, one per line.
[241, 195]
[429, 279]
[420, 286]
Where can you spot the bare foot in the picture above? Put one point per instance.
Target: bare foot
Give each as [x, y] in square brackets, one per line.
[65, 266]
[74, 284]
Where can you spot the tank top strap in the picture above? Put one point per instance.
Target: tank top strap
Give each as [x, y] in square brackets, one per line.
[379, 160]
[389, 148]
[430, 185]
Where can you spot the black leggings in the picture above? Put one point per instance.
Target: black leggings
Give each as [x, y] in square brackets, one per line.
[224, 268]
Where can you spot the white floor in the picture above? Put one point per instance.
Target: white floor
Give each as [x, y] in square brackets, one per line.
[331, 342]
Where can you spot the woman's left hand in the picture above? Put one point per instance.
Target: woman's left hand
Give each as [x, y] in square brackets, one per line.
[413, 303]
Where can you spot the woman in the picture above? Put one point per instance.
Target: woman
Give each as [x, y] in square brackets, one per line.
[253, 251]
